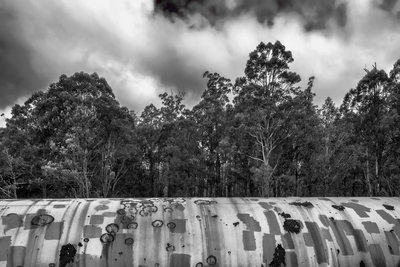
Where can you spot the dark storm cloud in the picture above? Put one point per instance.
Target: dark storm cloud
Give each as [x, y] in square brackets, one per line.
[17, 76]
[315, 14]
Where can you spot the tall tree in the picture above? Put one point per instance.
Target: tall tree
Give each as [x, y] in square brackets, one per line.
[263, 104]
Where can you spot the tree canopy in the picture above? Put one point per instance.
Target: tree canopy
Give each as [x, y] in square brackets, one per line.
[261, 135]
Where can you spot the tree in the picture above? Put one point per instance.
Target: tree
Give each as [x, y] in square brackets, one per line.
[263, 103]
[367, 105]
[74, 130]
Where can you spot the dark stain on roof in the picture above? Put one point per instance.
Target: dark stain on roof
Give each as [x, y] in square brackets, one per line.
[268, 244]
[388, 207]
[11, 221]
[386, 216]
[358, 208]
[249, 241]
[371, 227]
[273, 223]
[378, 258]
[305, 204]
[180, 260]
[54, 231]
[319, 244]
[250, 222]
[393, 243]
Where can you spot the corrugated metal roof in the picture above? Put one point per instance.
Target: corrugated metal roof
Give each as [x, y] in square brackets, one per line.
[198, 232]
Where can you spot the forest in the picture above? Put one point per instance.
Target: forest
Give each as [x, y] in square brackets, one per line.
[258, 136]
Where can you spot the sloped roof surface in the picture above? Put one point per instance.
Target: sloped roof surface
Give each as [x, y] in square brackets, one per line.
[183, 232]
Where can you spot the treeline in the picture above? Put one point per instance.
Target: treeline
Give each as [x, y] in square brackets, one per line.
[261, 135]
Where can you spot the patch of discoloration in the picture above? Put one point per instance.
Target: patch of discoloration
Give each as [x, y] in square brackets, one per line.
[180, 226]
[273, 223]
[371, 227]
[324, 220]
[388, 207]
[268, 243]
[67, 254]
[393, 243]
[292, 226]
[5, 243]
[326, 234]
[54, 231]
[361, 210]
[265, 205]
[91, 231]
[278, 257]
[324, 198]
[109, 214]
[291, 259]
[319, 243]
[341, 239]
[361, 242]
[308, 240]
[12, 221]
[16, 256]
[101, 207]
[58, 206]
[249, 241]
[305, 204]
[386, 216]
[180, 260]
[338, 207]
[96, 219]
[250, 222]
[378, 258]
[287, 241]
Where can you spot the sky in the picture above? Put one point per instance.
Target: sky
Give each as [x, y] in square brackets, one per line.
[144, 47]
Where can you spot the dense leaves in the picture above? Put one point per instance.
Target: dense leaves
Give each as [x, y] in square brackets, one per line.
[259, 136]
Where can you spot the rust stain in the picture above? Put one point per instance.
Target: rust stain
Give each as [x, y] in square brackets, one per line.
[265, 205]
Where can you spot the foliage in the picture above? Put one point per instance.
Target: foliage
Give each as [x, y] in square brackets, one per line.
[259, 136]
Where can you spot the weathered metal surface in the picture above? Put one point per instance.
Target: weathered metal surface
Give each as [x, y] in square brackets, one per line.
[184, 232]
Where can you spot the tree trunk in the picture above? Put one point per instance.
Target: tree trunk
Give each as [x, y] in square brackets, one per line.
[368, 176]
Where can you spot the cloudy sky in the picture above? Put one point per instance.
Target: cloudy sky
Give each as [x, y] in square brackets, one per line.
[144, 47]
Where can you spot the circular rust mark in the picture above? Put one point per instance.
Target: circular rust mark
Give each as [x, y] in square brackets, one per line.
[42, 220]
[133, 225]
[107, 238]
[127, 219]
[52, 265]
[199, 264]
[121, 212]
[112, 228]
[211, 260]
[86, 239]
[170, 248]
[157, 223]
[129, 241]
[171, 225]
[168, 209]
